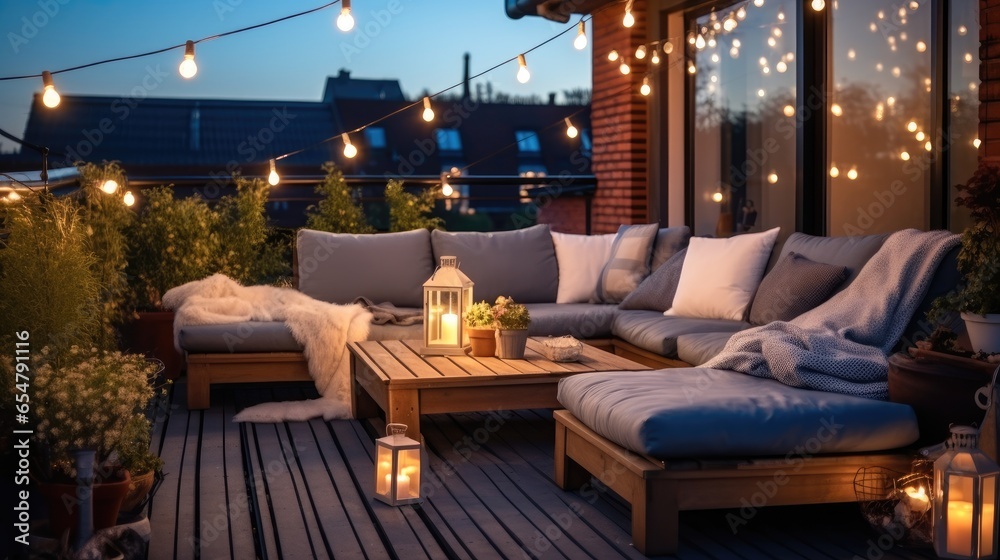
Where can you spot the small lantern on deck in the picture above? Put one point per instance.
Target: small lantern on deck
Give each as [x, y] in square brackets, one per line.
[447, 294]
[397, 472]
[965, 497]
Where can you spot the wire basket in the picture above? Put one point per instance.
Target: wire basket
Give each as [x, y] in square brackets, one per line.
[897, 504]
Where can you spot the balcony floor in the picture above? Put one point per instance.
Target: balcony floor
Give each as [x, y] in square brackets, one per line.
[303, 490]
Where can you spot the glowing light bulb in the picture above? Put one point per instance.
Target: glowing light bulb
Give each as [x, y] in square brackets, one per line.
[12, 196]
[763, 61]
[896, 71]
[758, 3]
[873, 27]
[781, 67]
[522, 71]
[890, 101]
[691, 38]
[852, 174]
[878, 67]
[629, 19]
[655, 59]
[730, 24]
[272, 177]
[818, 5]
[349, 150]
[836, 109]
[571, 130]
[761, 92]
[834, 171]
[914, 5]
[715, 57]
[50, 97]
[962, 30]
[781, 16]
[772, 177]
[699, 41]
[880, 14]
[765, 70]
[737, 43]
[734, 52]
[772, 41]
[640, 52]
[968, 57]
[668, 47]
[741, 13]
[691, 68]
[921, 46]
[911, 126]
[109, 186]
[879, 111]
[712, 43]
[345, 21]
[188, 68]
[789, 111]
[129, 198]
[645, 89]
[851, 54]
[717, 196]
[581, 37]
[904, 155]
[920, 136]
[428, 113]
[976, 142]
[613, 55]
[624, 68]
[446, 189]
[928, 146]
[776, 32]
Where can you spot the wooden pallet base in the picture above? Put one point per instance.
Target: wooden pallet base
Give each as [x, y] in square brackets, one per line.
[204, 370]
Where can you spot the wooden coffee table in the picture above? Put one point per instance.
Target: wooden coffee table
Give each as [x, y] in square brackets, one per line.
[393, 376]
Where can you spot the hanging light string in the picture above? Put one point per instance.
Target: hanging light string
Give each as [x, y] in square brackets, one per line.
[178, 46]
[420, 102]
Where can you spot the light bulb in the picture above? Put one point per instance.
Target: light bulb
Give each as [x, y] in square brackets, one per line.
[571, 130]
[734, 52]
[904, 155]
[699, 42]
[428, 111]
[890, 101]
[640, 52]
[625, 68]
[772, 177]
[522, 72]
[789, 111]
[629, 19]
[852, 174]
[962, 30]
[763, 61]
[613, 55]
[968, 57]
[349, 150]
[129, 198]
[273, 178]
[691, 68]
[834, 171]
[50, 97]
[928, 146]
[446, 189]
[921, 46]
[655, 59]
[345, 21]
[781, 66]
[781, 16]
[581, 37]
[761, 92]
[765, 70]
[729, 24]
[12, 196]
[668, 47]
[712, 43]
[772, 41]
[188, 68]
[645, 88]
[717, 196]
[852, 54]
[879, 67]
[920, 136]
[911, 126]
[741, 13]
[758, 3]
[109, 186]
[836, 109]
[715, 57]
[976, 142]
[776, 32]
[818, 5]
[914, 5]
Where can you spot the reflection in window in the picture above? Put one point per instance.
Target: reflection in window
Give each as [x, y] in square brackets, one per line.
[448, 139]
[527, 142]
[744, 120]
[375, 137]
[963, 101]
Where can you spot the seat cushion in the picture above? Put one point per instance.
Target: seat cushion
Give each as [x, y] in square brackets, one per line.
[339, 267]
[652, 331]
[698, 348]
[582, 320]
[245, 337]
[520, 264]
[701, 412]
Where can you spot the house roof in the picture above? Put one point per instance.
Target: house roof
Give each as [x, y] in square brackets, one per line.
[343, 86]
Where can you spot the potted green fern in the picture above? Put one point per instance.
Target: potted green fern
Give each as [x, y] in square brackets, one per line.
[479, 322]
[512, 320]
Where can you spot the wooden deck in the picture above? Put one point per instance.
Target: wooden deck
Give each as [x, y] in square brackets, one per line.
[303, 490]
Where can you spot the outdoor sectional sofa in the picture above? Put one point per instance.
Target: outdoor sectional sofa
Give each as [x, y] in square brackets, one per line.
[770, 444]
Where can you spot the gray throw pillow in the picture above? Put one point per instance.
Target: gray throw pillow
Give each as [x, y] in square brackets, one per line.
[794, 286]
[668, 242]
[656, 293]
[629, 262]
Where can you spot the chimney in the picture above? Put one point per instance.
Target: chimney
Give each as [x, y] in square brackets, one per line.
[465, 79]
[552, 98]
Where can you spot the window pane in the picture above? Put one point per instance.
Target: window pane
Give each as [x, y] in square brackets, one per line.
[375, 137]
[527, 141]
[963, 91]
[880, 116]
[745, 121]
[448, 140]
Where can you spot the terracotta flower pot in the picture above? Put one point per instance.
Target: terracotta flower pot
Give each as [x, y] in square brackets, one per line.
[64, 504]
[484, 342]
[511, 344]
[138, 488]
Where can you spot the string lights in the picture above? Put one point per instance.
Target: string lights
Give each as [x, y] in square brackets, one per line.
[581, 36]
[188, 68]
[272, 178]
[349, 150]
[629, 19]
[571, 130]
[428, 114]
[110, 186]
[50, 97]
[129, 199]
[645, 89]
[345, 21]
[522, 69]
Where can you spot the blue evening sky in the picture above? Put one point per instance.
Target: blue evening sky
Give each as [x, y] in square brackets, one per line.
[421, 46]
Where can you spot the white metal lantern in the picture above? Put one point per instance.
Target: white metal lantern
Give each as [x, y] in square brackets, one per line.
[447, 294]
[397, 467]
[965, 497]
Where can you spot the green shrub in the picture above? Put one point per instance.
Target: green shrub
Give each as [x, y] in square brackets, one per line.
[246, 252]
[408, 211]
[337, 211]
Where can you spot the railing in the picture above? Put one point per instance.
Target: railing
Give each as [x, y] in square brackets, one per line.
[500, 198]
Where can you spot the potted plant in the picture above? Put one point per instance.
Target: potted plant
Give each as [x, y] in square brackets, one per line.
[142, 464]
[87, 400]
[479, 322]
[978, 296]
[512, 320]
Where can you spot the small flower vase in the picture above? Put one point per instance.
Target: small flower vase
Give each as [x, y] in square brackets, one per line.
[483, 341]
[511, 343]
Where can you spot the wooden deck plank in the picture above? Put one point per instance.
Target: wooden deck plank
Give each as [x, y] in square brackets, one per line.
[213, 513]
[266, 534]
[164, 506]
[241, 529]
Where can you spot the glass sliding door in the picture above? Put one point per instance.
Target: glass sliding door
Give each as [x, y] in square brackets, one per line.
[963, 101]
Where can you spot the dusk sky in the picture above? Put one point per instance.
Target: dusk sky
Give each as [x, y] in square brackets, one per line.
[421, 45]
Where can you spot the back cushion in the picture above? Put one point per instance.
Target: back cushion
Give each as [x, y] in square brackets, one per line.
[669, 241]
[851, 252]
[520, 264]
[383, 267]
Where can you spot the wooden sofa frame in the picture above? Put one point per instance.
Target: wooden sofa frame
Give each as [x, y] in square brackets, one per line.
[658, 490]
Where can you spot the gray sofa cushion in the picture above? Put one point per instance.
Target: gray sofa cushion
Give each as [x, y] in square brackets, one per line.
[628, 265]
[852, 252]
[652, 331]
[656, 293]
[794, 286]
[520, 264]
[700, 412]
[582, 320]
[698, 348]
[339, 267]
[246, 337]
[669, 241]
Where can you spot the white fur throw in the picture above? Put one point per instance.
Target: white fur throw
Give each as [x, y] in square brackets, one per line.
[323, 329]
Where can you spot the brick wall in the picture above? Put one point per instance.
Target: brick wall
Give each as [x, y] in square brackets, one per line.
[989, 74]
[618, 129]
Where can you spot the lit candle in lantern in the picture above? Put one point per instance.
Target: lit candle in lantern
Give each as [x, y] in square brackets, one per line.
[917, 498]
[402, 486]
[959, 527]
[449, 328]
[386, 467]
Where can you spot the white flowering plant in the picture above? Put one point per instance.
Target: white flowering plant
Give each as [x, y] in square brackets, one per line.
[93, 401]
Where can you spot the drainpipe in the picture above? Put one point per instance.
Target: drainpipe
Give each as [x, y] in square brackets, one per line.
[85, 494]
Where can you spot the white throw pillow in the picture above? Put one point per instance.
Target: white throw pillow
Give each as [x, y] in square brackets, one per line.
[720, 276]
[581, 259]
